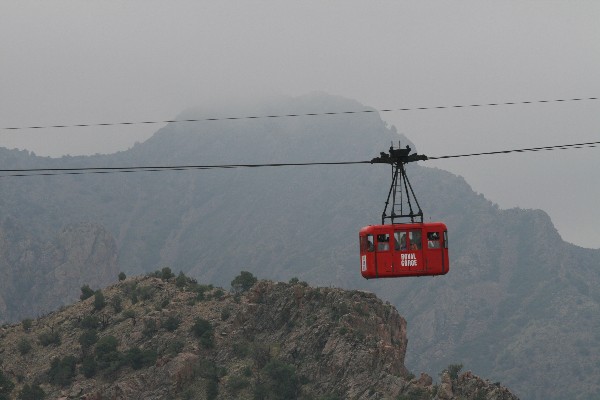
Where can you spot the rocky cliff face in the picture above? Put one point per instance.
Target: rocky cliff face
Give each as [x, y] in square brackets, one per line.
[348, 342]
[38, 277]
[166, 337]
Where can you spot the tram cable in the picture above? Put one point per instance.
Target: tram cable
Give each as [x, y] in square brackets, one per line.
[4, 173]
[108, 170]
[545, 148]
[459, 106]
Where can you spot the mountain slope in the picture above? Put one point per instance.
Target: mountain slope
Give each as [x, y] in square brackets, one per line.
[38, 277]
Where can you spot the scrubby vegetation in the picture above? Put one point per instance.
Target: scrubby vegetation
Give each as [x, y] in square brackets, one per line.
[261, 340]
[244, 281]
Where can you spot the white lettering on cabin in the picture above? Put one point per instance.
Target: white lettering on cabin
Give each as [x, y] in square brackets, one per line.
[363, 263]
[408, 260]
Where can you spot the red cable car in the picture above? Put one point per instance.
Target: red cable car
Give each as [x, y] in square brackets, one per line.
[389, 251]
[402, 249]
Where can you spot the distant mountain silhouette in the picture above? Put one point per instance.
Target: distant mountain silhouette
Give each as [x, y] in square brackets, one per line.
[519, 305]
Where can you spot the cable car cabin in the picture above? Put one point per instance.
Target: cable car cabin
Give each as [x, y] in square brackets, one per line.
[411, 249]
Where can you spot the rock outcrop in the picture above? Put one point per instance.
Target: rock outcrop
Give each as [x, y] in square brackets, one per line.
[166, 337]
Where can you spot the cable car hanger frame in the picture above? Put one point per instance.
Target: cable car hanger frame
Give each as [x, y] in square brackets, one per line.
[401, 194]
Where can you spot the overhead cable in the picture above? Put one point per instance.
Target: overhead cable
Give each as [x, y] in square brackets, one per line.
[299, 115]
[108, 170]
[545, 148]
[4, 173]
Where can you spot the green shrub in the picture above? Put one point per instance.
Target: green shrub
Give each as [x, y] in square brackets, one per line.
[181, 280]
[244, 281]
[109, 359]
[88, 338]
[122, 276]
[207, 340]
[171, 323]
[209, 370]
[241, 349]
[99, 300]
[90, 322]
[27, 323]
[129, 313]
[189, 394]
[6, 386]
[175, 347]
[204, 331]
[47, 338]
[150, 328]
[138, 359]
[296, 281]
[162, 304]
[133, 297]
[225, 314]
[62, 371]
[480, 395]
[33, 392]
[261, 391]
[282, 381]
[166, 274]
[105, 347]
[86, 292]
[130, 290]
[145, 292]
[200, 327]
[89, 366]
[261, 354]
[201, 290]
[117, 304]
[237, 383]
[339, 310]
[212, 389]
[454, 370]
[24, 346]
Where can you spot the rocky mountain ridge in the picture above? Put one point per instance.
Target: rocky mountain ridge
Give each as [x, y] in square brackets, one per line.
[167, 337]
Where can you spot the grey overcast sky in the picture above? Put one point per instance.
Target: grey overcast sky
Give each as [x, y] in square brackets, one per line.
[67, 62]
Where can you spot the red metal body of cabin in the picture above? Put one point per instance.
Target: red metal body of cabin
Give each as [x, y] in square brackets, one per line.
[412, 249]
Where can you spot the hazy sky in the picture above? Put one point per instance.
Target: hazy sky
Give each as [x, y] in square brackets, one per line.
[67, 62]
